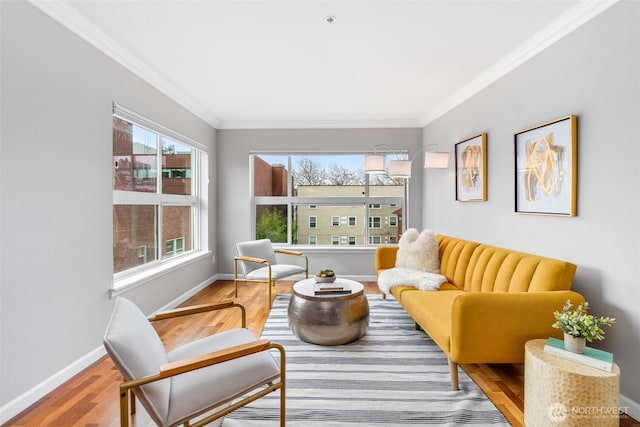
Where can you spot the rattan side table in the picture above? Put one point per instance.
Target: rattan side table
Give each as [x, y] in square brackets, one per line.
[560, 392]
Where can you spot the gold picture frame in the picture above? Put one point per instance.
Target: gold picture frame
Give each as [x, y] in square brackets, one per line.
[546, 168]
[471, 169]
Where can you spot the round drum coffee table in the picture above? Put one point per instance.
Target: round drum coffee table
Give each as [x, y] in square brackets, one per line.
[330, 319]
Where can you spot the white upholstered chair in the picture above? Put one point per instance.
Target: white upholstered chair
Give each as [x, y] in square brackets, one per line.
[206, 376]
[257, 259]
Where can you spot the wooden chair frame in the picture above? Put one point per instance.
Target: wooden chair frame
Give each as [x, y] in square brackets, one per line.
[270, 280]
[127, 388]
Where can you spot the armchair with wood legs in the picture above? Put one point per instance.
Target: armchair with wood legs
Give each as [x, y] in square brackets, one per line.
[257, 259]
[205, 379]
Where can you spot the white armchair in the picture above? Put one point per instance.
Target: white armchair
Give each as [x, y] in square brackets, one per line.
[257, 259]
[206, 376]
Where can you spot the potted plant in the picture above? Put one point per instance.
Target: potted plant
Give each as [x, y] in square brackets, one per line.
[579, 327]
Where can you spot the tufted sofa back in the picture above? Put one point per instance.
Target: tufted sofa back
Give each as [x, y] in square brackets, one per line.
[482, 268]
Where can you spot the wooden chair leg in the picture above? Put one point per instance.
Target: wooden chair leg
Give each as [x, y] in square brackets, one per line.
[453, 371]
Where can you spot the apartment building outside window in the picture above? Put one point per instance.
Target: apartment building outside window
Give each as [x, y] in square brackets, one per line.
[155, 194]
[324, 199]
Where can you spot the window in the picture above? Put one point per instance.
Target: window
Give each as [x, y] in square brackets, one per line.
[375, 222]
[297, 196]
[174, 246]
[156, 197]
[393, 221]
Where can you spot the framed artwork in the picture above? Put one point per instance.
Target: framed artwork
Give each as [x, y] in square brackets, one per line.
[471, 169]
[546, 168]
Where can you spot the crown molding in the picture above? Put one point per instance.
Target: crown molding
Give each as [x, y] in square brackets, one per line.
[320, 124]
[566, 23]
[575, 17]
[65, 15]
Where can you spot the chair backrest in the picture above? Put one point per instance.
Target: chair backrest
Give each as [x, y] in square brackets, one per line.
[258, 249]
[137, 351]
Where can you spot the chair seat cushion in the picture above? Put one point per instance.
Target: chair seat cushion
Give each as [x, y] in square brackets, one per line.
[278, 271]
[216, 385]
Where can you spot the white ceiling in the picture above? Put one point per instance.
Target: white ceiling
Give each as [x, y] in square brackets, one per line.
[244, 64]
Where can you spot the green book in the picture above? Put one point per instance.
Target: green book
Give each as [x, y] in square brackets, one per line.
[593, 357]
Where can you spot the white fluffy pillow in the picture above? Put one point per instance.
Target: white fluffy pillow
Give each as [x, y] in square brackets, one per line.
[418, 251]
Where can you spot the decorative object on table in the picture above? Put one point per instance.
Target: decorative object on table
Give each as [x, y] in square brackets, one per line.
[546, 168]
[391, 376]
[471, 169]
[593, 357]
[326, 276]
[579, 327]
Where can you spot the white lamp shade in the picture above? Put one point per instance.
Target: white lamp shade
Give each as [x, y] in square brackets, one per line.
[374, 163]
[400, 168]
[439, 160]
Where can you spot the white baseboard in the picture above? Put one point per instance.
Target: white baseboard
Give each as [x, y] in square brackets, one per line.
[630, 407]
[362, 278]
[37, 392]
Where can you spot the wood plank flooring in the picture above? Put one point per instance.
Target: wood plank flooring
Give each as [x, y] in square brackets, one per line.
[91, 398]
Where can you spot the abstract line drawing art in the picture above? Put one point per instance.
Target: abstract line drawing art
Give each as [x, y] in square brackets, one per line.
[546, 170]
[471, 167]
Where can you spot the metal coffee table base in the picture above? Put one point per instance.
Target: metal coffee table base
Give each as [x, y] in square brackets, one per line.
[331, 320]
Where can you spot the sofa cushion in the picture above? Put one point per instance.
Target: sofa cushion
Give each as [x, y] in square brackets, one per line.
[432, 311]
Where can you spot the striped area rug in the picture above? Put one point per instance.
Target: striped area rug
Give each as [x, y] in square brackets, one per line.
[393, 376]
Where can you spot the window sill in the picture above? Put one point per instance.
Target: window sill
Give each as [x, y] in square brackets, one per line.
[128, 283]
[318, 249]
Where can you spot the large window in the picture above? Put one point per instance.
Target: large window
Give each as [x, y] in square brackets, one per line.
[324, 199]
[155, 194]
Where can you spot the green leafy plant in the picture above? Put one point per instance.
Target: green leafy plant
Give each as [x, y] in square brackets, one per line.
[580, 324]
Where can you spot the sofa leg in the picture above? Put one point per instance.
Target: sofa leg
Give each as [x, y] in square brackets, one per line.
[453, 371]
[384, 296]
[418, 327]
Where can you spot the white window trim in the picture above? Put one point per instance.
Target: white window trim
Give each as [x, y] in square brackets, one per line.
[369, 202]
[134, 277]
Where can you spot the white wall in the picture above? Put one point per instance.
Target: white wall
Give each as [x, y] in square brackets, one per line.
[55, 176]
[233, 184]
[593, 73]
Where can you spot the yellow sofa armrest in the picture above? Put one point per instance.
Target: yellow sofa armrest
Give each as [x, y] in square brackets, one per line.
[385, 258]
[492, 327]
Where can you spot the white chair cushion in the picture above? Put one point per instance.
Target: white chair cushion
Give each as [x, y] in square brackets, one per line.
[278, 271]
[258, 249]
[198, 391]
[137, 351]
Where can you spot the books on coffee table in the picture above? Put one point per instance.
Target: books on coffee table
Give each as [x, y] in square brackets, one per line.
[591, 357]
[330, 288]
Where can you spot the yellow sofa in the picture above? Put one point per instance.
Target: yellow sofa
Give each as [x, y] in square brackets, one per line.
[494, 301]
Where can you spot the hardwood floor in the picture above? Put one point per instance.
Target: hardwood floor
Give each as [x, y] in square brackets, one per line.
[91, 398]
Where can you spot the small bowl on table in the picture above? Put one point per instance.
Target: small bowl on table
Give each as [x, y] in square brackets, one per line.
[328, 279]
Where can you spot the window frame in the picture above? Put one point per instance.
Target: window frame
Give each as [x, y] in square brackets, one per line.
[196, 200]
[366, 201]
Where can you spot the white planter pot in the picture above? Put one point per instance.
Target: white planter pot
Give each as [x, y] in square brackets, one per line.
[574, 344]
